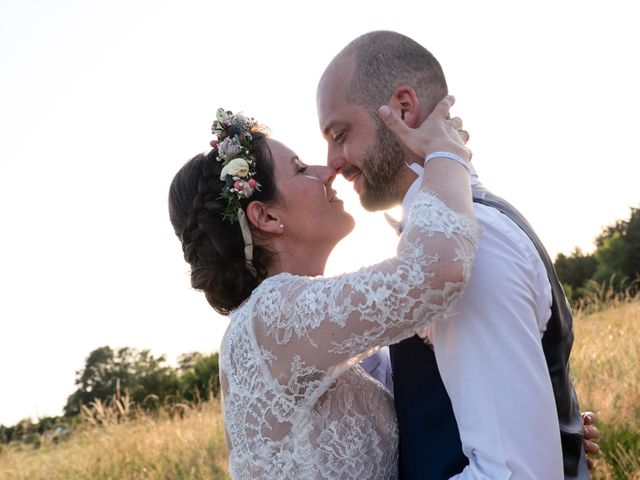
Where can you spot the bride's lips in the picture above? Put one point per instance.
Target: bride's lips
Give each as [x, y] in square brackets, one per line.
[332, 196]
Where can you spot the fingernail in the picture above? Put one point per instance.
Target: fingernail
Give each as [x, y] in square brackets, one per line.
[384, 111]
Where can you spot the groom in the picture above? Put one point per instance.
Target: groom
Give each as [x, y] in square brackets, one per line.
[499, 403]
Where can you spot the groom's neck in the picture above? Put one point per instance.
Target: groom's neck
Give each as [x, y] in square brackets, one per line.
[404, 180]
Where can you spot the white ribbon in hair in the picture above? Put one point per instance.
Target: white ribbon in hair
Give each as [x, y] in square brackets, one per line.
[248, 242]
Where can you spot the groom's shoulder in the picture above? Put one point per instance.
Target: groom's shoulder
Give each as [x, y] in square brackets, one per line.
[501, 234]
[508, 261]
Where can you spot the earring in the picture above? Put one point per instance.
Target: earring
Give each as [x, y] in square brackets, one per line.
[281, 226]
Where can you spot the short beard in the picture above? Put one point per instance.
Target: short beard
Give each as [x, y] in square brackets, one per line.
[380, 167]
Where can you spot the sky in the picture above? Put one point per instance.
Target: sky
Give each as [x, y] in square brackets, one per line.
[101, 102]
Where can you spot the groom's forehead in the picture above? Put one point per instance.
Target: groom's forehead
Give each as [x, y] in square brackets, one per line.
[345, 115]
[333, 85]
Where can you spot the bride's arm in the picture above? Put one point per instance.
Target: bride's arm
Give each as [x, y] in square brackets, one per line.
[314, 328]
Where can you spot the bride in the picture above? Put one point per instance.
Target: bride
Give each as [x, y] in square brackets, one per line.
[257, 226]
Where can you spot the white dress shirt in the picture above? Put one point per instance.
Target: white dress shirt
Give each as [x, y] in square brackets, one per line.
[378, 366]
[490, 356]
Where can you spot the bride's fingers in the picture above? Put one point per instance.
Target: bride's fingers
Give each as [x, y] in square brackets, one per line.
[464, 135]
[456, 122]
[444, 105]
[415, 139]
[435, 133]
[393, 121]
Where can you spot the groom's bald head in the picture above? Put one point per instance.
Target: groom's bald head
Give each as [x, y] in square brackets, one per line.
[385, 60]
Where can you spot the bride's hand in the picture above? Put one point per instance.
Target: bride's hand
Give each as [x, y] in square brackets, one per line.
[437, 132]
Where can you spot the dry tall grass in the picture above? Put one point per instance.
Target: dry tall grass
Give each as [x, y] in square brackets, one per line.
[189, 445]
[118, 442]
[606, 370]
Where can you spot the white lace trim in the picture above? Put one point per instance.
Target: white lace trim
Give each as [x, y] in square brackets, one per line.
[296, 405]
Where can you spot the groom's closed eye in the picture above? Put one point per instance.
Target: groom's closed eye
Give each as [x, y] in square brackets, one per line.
[338, 137]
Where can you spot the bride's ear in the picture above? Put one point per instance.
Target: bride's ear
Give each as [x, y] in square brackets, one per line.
[264, 218]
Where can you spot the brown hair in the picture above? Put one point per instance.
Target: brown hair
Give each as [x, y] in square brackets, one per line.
[214, 247]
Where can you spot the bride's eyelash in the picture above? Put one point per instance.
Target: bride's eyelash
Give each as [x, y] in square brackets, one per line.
[300, 167]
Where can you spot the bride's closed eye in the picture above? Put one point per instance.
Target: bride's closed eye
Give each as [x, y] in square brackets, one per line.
[301, 168]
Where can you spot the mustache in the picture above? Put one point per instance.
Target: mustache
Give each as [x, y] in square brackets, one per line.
[349, 171]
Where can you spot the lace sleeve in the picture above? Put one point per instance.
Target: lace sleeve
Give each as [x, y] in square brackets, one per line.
[315, 328]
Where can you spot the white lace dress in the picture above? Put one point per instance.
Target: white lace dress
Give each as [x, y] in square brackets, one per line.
[296, 404]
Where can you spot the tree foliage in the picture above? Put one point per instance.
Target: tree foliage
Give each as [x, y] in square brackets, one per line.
[108, 374]
[147, 380]
[575, 271]
[199, 376]
[615, 261]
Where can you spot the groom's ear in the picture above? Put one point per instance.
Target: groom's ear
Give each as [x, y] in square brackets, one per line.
[406, 104]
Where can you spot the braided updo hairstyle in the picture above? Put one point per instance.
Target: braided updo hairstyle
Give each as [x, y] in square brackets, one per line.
[214, 247]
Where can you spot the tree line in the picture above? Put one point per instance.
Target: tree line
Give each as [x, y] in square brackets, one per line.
[615, 263]
[147, 381]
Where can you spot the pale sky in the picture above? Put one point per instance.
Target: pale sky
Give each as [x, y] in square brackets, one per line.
[102, 101]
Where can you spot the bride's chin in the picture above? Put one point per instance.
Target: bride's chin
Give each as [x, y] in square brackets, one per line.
[350, 224]
[343, 227]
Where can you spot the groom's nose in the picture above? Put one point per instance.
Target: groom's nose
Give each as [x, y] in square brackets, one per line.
[335, 158]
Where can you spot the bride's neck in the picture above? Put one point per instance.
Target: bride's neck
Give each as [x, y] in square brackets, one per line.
[303, 261]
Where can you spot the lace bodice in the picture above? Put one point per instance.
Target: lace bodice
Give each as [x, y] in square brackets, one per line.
[296, 404]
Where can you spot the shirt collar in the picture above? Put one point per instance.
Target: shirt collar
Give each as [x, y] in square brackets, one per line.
[413, 190]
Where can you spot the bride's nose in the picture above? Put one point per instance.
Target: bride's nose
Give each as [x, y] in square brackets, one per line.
[324, 173]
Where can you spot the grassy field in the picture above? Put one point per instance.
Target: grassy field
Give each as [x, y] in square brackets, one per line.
[606, 370]
[190, 445]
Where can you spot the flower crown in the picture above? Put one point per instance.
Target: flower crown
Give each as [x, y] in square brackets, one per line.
[234, 146]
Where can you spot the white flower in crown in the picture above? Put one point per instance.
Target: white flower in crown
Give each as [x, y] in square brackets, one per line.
[222, 115]
[238, 167]
[222, 121]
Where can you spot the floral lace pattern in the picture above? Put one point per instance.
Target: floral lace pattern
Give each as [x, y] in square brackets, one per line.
[296, 404]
